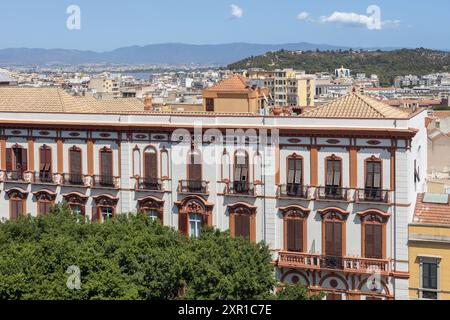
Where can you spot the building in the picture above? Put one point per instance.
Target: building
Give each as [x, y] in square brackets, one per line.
[105, 87]
[235, 94]
[331, 191]
[6, 79]
[429, 248]
[342, 73]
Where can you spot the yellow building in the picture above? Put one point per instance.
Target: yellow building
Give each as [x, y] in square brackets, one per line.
[429, 248]
[235, 94]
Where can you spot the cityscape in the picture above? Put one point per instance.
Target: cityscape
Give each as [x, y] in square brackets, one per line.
[237, 171]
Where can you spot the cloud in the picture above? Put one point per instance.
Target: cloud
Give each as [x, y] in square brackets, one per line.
[303, 15]
[236, 11]
[372, 22]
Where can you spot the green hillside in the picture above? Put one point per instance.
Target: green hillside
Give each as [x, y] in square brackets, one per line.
[386, 64]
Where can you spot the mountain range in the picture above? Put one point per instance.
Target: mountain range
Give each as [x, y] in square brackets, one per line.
[167, 53]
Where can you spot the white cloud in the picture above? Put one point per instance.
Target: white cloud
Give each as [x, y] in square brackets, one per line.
[303, 15]
[236, 11]
[372, 21]
[345, 18]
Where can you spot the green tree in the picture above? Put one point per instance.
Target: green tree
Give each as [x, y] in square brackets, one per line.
[297, 292]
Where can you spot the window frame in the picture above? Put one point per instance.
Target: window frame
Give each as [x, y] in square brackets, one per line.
[299, 214]
[333, 158]
[379, 161]
[374, 217]
[429, 260]
[335, 215]
[79, 151]
[242, 208]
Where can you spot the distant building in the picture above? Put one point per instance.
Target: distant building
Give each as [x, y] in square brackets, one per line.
[104, 87]
[342, 73]
[7, 80]
[429, 248]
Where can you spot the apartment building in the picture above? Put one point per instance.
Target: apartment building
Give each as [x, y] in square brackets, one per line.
[105, 87]
[288, 88]
[331, 191]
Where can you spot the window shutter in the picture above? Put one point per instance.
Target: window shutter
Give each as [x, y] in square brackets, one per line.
[237, 225]
[337, 173]
[291, 171]
[377, 175]
[338, 239]
[14, 209]
[244, 176]
[330, 174]
[195, 168]
[95, 214]
[298, 225]
[329, 238]
[9, 166]
[160, 215]
[290, 235]
[378, 241]
[42, 160]
[237, 172]
[42, 208]
[183, 223]
[298, 171]
[369, 175]
[24, 160]
[151, 165]
[369, 245]
[75, 162]
[245, 218]
[106, 158]
[48, 159]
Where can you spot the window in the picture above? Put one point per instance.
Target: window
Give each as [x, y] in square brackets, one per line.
[152, 207]
[242, 225]
[16, 162]
[243, 221]
[333, 177]
[195, 172]
[16, 208]
[209, 104]
[106, 167]
[76, 202]
[150, 168]
[153, 214]
[333, 238]
[373, 241]
[241, 172]
[76, 208]
[45, 201]
[195, 225]
[429, 282]
[373, 180]
[45, 164]
[75, 166]
[295, 176]
[107, 213]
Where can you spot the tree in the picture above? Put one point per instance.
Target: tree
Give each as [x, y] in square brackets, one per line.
[297, 292]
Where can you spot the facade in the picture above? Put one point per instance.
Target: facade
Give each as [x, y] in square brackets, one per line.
[330, 191]
[429, 248]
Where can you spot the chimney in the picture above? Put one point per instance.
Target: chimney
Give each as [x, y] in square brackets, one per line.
[148, 104]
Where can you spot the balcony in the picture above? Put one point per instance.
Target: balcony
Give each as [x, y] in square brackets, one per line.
[344, 264]
[15, 176]
[193, 186]
[240, 188]
[149, 184]
[73, 179]
[293, 191]
[373, 195]
[333, 193]
[105, 182]
[43, 177]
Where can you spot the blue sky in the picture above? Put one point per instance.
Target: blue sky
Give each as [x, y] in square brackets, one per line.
[109, 24]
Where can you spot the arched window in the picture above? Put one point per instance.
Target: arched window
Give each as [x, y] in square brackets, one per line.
[373, 223]
[333, 177]
[294, 175]
[373, 179]
[243, 221]
[241, 182]
[333, 233]
[152, 207]
[295, 238]
[45, 200]
[105, 208]
[16, 162]
[76, 202]
[151, 169]
[17, 203]
[193, 214]
[45, 164]
[75, 166]
[106, 168]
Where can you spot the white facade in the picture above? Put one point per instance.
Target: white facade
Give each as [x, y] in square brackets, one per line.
[400, 145]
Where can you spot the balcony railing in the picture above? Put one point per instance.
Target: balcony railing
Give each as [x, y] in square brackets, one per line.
[240, 188]
[43, 177]
[73, 179]
[193, 186]
[345, 264]
[332, 193]
[293, 190]
[15, 176]
[373, 195]
[105, 181]
[150, 184]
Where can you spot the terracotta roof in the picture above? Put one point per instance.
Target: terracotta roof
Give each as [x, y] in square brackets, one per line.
[233, 83]
[431, 213]
[56, 100]
[355, 105]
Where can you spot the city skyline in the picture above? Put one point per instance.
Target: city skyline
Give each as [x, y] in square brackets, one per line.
[107, 26]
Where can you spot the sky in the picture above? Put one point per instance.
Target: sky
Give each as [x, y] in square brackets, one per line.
[109, 24]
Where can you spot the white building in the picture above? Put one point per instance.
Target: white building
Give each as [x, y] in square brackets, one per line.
[331, 192]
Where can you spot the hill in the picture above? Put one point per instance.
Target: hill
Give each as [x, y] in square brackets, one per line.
[166, 53]
[386, 64]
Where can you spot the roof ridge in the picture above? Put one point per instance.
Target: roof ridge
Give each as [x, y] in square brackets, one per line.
[367, 101]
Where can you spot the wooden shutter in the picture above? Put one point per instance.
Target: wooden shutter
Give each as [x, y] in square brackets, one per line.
[291, 171]
[24, 160]
[237, 225]
[106, 163]
[48, 159]
[337, 239]
[377, 175]
[183, 223]
[329, 238]
[337, 173]
[298, 171]
[369, 241]
[195, 168]
[150, 165]
[75, 162]
[295, 235]
[330, 173]
[9, 163]
[95, 214]
[42, 160]
[160, 216]
[43, 207]
[369, 175]
[378, 241]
